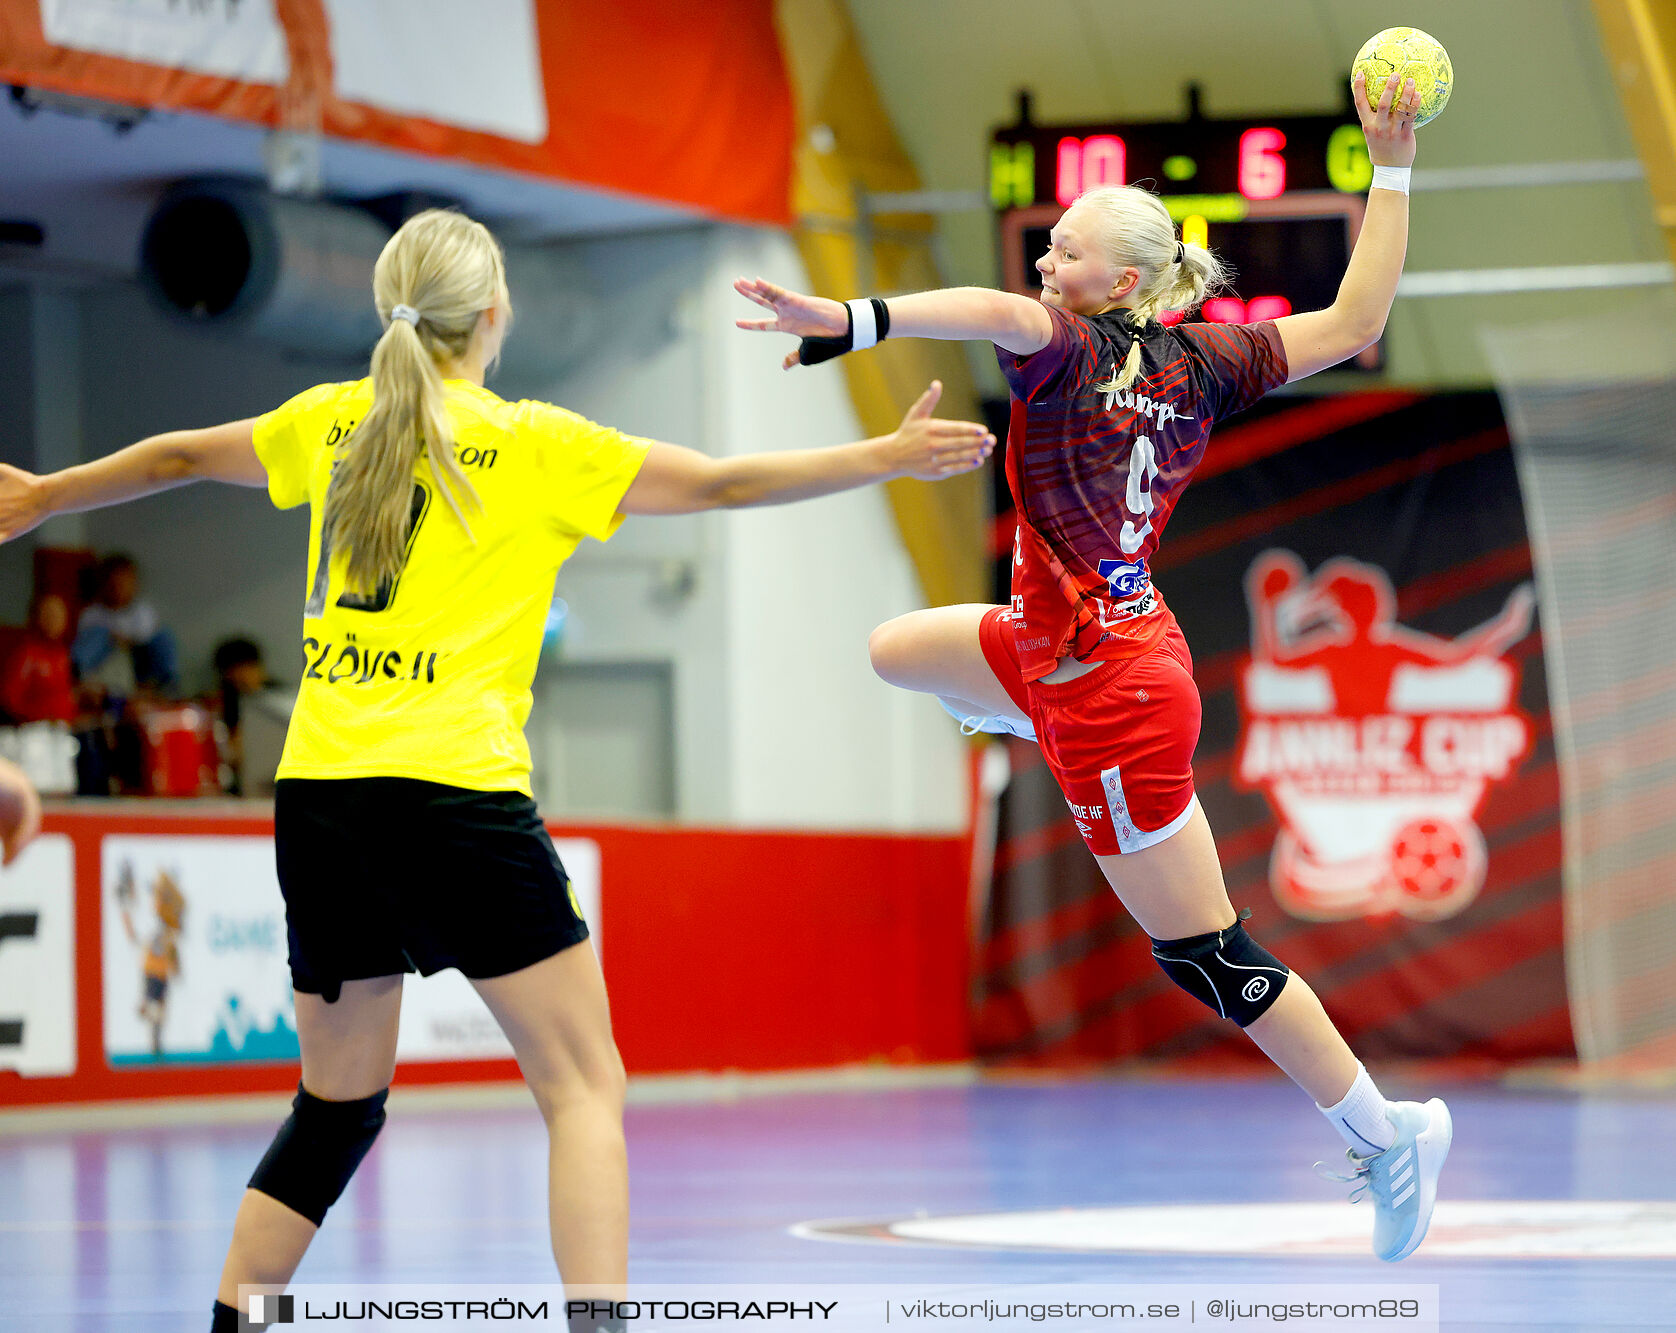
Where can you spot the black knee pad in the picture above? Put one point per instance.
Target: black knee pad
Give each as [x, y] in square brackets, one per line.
[1226, 970]
[316, 1151]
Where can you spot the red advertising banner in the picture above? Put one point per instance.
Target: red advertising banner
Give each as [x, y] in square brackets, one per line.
[689, 104]
[1375, 745]
[1377, 759]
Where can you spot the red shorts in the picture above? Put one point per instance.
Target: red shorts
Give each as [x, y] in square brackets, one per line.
[1118, 740]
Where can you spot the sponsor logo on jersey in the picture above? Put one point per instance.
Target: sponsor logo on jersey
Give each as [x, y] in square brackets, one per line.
[1376, 745]
[1115, 613]
[469, 455]
[466, 455]
[1159, 413]
[1087, 816]
[1125, 579]
[353, 663]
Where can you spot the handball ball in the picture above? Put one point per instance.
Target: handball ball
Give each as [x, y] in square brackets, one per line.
[1411, 54]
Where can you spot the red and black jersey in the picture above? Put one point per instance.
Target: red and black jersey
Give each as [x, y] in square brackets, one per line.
[1096, 474]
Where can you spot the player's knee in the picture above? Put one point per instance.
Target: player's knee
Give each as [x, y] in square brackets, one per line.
[606, 1078]
[594, 1077]
[309, 1163]
[1226, 970]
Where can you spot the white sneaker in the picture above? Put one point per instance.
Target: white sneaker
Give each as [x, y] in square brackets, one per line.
[1402, 1180]
[993, 726]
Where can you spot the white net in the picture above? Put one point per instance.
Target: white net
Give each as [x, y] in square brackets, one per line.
[1591, 404]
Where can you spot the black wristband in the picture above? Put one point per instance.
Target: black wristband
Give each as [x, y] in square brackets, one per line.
[881, 315]
[813, 350]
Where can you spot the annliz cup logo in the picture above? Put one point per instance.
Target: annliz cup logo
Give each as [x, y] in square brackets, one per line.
[266, 1311]
[1375, 744]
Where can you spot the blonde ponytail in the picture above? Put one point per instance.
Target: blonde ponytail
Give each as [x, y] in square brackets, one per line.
[1124, 376]
[447, 270]
[1135, 231]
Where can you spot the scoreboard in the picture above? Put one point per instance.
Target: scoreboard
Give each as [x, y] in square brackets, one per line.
[1279, 199]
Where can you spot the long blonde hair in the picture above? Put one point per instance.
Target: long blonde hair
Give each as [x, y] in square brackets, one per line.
[450, 270]
[1135, 231]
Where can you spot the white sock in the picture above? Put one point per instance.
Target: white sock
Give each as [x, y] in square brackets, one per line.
[1360, 1118]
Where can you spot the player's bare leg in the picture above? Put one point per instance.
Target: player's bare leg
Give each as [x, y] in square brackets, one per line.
[555, 1015]
[348, 1053]
[938, 652]
[1175, 891]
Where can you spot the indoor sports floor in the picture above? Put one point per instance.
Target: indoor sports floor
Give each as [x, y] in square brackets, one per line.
[1559, 1207]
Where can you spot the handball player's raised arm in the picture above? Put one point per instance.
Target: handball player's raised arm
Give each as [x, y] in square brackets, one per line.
[1111, 412]
[405, 832]
[1313, 340]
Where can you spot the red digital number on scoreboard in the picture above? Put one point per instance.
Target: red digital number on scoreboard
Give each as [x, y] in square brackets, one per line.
[1232, 310]
[1100, 159]
[1262, 168]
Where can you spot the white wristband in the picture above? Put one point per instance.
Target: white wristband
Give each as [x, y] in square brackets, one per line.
[865, 326]
[1392, 178]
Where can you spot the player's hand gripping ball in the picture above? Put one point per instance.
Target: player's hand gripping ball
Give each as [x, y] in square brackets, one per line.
[1409, 54]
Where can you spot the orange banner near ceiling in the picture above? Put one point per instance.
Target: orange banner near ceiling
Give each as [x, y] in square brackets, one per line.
[687, 104]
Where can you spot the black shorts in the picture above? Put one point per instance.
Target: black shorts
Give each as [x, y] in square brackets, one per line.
[388, 875]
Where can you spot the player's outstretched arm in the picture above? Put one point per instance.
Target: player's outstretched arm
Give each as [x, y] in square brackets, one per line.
[215, 453]
[954, 314]
[20, 811]
[1321, 338]
[674, 480]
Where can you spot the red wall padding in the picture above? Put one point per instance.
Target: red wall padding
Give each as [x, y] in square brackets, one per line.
[722, 950]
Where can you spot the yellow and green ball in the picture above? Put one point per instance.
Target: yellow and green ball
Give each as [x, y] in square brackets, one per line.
[1411, 54]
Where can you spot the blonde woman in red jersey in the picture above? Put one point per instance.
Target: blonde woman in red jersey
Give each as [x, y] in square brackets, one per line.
[439, 517]
[1111, 412]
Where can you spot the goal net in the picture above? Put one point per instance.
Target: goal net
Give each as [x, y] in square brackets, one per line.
[1591, 404]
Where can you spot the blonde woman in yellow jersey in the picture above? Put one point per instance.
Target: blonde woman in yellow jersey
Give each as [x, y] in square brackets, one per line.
[440, 516]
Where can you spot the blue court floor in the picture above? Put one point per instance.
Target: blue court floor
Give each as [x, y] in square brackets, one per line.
[1563, 1202]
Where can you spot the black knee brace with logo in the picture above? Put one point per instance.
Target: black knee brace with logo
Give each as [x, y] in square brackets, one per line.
[1226, 970]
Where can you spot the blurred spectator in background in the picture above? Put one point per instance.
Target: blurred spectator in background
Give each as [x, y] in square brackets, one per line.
[121, 654]
[238, 672]
[35, 682]
[121, 647]
[248, 705]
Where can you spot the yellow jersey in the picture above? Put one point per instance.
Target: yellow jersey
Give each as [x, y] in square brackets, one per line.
[429, 676]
